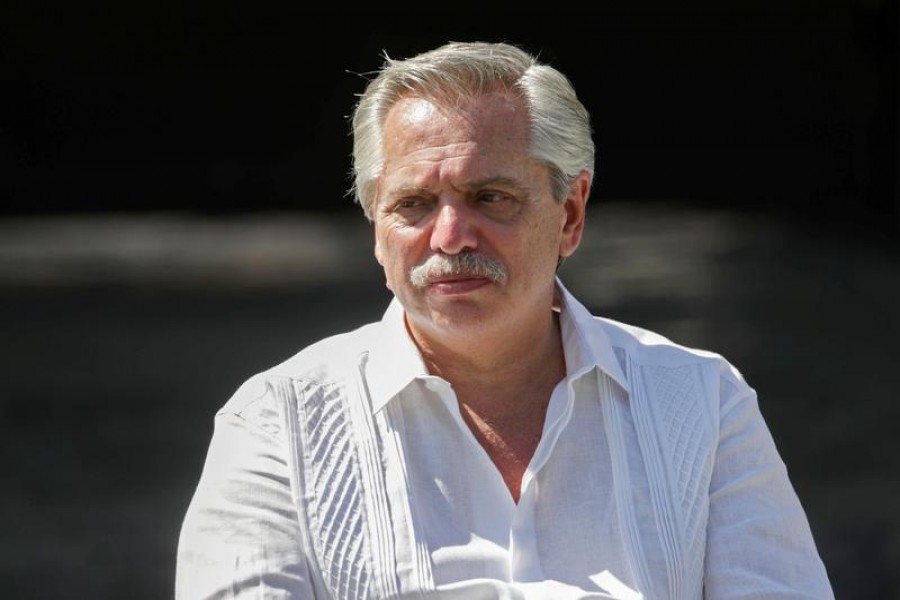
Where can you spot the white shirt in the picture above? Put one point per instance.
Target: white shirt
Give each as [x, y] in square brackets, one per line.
[348, 472]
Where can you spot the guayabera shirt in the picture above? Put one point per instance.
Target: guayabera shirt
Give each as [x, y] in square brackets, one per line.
[347, 472]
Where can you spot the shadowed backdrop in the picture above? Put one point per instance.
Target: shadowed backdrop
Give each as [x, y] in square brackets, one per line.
[173, 218]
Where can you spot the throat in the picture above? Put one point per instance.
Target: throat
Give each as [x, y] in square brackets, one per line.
[510, 442]
[504, 399]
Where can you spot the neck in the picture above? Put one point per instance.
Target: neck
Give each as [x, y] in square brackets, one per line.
[503, 385]
[495, 365]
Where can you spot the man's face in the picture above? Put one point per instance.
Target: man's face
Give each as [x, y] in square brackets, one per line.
[459, 181]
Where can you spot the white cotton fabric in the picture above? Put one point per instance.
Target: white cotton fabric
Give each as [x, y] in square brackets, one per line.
[348, 472]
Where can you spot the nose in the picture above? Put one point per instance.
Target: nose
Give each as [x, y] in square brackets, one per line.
[453, 230]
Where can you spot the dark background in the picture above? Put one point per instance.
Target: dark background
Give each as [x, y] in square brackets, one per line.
[747, 201]
[791, 106]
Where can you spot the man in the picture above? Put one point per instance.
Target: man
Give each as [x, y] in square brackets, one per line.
[489, 438]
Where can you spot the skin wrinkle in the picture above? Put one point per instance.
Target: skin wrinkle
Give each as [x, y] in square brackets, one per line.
[526, 193]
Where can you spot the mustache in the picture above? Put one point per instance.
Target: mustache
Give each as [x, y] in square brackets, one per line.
[466, 263]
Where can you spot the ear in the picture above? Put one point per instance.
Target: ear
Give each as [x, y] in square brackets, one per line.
[575, 209]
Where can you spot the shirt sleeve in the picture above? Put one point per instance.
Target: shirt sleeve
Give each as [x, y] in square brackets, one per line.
[241, 537]
[759, 543]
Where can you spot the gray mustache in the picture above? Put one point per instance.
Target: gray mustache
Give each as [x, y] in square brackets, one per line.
[467, 263]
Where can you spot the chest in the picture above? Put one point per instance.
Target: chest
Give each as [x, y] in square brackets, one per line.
[466, 516]
[510, 444]
[430, 506]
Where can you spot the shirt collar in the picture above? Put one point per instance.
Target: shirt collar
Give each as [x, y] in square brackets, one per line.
[395, 361]
[585, 342]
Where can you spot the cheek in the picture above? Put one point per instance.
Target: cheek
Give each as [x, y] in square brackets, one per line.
[539, 248]
[392, 251]
[543, 234]
[378, 254]
[385, 246]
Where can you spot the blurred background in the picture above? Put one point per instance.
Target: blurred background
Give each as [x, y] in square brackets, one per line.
[174, 218]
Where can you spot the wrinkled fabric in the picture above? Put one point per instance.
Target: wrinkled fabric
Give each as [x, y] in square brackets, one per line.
[348, 472]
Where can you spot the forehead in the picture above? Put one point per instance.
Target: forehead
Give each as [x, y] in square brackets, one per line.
[490, 128]
[489, 114]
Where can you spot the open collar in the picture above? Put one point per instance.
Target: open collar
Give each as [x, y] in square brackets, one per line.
[585, 342]
[395, 361]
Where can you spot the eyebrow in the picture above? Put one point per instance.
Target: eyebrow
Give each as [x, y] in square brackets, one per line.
[498, 180]
[405, 190]
[474, 185]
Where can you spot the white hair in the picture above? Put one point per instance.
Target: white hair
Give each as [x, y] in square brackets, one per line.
[560, 133]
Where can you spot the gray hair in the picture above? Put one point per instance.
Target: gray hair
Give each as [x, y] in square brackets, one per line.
[560, 124]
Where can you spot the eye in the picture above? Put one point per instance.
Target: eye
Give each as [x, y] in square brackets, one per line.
[493, 197]
[498, 205]
[410, 208]
[411, 203]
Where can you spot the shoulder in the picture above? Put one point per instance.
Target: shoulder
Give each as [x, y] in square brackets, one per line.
[329, 360]
[650, 349]
[649, 344]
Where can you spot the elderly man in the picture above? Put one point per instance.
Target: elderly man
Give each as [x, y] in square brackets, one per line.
[489, 437]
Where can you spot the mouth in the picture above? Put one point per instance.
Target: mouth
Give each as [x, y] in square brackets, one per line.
[452, 285]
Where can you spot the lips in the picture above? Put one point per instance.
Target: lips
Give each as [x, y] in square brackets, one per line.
[456, 284]
[455, 278]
